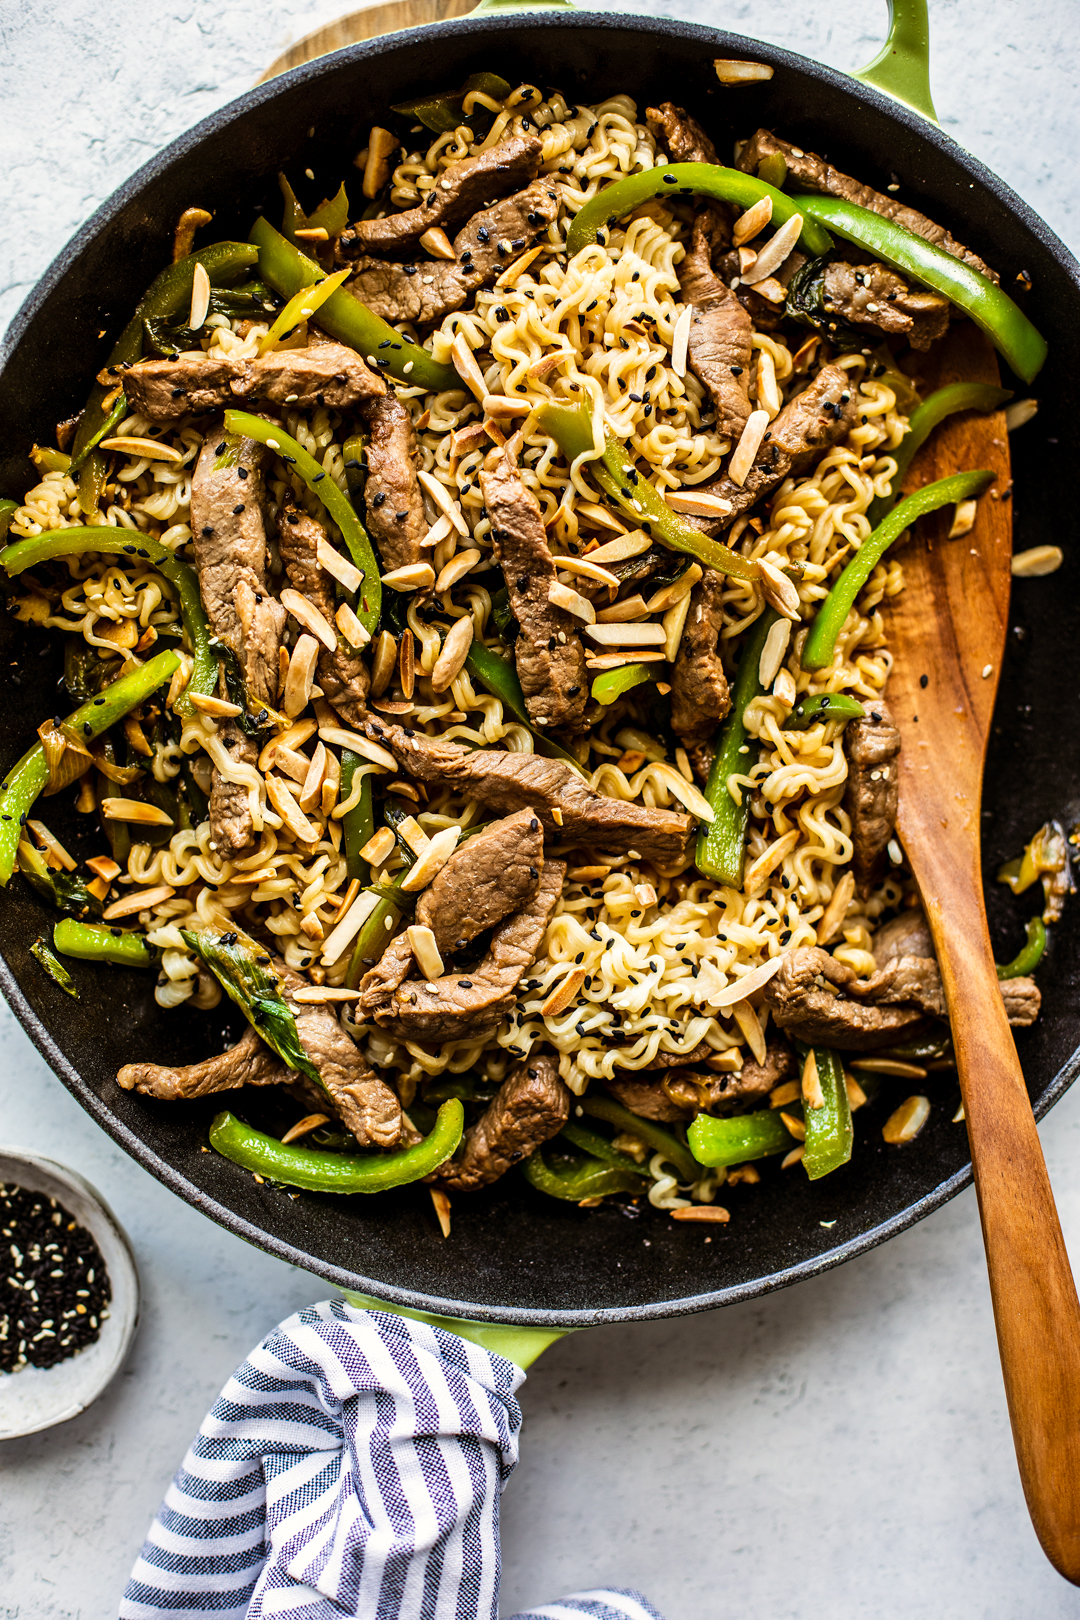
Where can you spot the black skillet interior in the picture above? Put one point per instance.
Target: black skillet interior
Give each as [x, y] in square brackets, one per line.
[514, 1254]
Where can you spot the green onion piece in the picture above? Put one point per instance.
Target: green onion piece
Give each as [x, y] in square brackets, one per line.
[676, 180]
[58, 973]
[91, 943]
[829, 1132]
[722, 1142]
[613, 684]
[1031, 955]
[246, 973]
[66, 891]
[721, 847]
[296, 1166]
[358, 824]
[823, 706]
[944, 402]
[660, 1140]
[821, 642]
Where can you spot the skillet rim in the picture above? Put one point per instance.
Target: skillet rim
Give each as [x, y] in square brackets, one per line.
[129, 191]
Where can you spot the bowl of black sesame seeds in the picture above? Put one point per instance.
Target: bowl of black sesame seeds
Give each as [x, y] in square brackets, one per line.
[69, 1294]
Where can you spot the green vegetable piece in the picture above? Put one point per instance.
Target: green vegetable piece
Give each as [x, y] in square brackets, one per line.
[246, 973]
[443, 113]
[64, 890]
[1031, 955]
[296, 1166]
[944, 402]
[829, 1132]
[619, 479]
[613, 684]
[376, 933]
[469, 1087]
[53, 966]
[721, 847]
[293, 219]
[806, 303]
[823, 706]
[25, 780]
[722, 1142]
[773, 170]
[660, 1140]
[599, 1147]
[583, 1177]
[827, 625]
[358, 824]
[684, 180]
[331, 216]
[339, 506]
[123, 947]
[501, 680]
[353, 453]
[287, 270]
[1004, 323]
[8, 510]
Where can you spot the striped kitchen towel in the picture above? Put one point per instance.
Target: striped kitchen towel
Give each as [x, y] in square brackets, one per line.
[350, 1468]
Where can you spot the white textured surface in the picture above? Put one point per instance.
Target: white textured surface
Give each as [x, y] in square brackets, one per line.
[841, 1449]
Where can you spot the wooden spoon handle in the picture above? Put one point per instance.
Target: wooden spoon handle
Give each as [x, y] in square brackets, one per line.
[1036, 1310]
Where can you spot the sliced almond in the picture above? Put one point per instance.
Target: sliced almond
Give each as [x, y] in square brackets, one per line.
[747, 259]
[784, 688]
[893, 1066]
[456, 569]
[219, 708]
[541, 369]
[310, 1122]
[48, 841]
[587, 874]
[312, 927]
[134, 810]
[136, 736]
[963, 519]
[794, 1124]
[305, 613]
[295, 736]
[322, 994]
[441, 1205]
[712, 1214]
[432, 861]
[280, 795]
[804, 354]
[293, 764]
[774, 652]
[603, 518]
[347, 927]
[414, 835]
[812, 1094]
[631, 761]
[467, 368]
[627, 635]
[122, 634]
[668, 595]
[344, 901]
[698, 503]
[425, 950]
[768, 392]
[506, 405]
[436, 242]
[779, 591]
[771, 289]
[1037, 561]
[351, 628]
[103, 866]
[833, 916]
[856, 1096]
[615, 660]
[679, 341]
[455, 650]
[200, 297]
[342, 568]
[767, 862]
[412, 577]
[1021, 411]
[730, 72]
[588, 568]
[466, 438]
[145, 900]
[330, 788]
[905, 1123]
[312, 233]
[564, 993]
[624, 612]
[301, 676]
[311, 788]
[379, 847]
[445, 501]
[631, 544]
[674, 623]
[510, 275]
[790, 1091]
[338, 737]
[98, 887]
[754, 220]
[746, 986]
[571, 602]
[383, 663]
[775, 251]
[742, 457]
[382, 148]
[792, 1158]
[148, 449]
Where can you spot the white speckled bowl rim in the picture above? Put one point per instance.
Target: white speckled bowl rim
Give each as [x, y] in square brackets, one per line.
[36, 1398]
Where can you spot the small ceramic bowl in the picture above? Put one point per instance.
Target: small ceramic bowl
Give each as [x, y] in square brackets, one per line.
[37, 1397]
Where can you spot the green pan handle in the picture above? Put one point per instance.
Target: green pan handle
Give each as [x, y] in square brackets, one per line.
[902, 66]
[521, 1345]
[487, 7]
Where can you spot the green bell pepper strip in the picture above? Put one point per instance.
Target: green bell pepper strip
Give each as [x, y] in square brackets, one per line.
[77, 542]
[684, 180]
[1004, 323]
[58, 973]
[829, 1132]
[25, 780]
[90, 943]
[615, 683]
[823, 706]
[339, 506]
[960, 396]
[614, 471]
[585, 1177]
[285, 268]
[659, 1140]
[722, 1142]
[337, 1172]
[1031, 955]
[358, 824]
[167, 295]
[833, 612]
[598, 1147]
[721, 847]
[501, 681]
[8, 510]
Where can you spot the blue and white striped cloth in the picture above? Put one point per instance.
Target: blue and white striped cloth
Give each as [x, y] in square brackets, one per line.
[349, 1470]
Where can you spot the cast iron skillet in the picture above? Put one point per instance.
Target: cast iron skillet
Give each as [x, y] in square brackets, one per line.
[515, 1255]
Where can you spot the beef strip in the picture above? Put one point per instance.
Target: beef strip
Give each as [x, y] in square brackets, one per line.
[531, 1106]
[395, 506]
[367, 1106]
[249, 1063]
[683, 136]
[684, 1092]
[324, 373]
[462, 188]
[427, 291]
[548, 653]
[469, 1007]
[486, 878]
[808, 172]
[229, 537]
[872, 746]
[343, 674]
[699, 689]
[821, 415]
[718, 347]
[508, 782]
[873, 296]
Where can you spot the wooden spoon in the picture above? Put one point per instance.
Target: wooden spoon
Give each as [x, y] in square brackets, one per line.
[948, 630]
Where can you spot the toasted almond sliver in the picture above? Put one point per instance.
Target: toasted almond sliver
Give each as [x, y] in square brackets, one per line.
[313, 233]
[742, 457]
[668, 595]
[433, 859]
[295, 736]
[698, 503]
[422, 943]
[149, 449]
[548, 363]
[310, 1122]
[794, 1125]
[768, 392]
[812, 1094]
[789, 1092]
[441, 1204]
[48, 840]
[305, 613]
[378, 847]
[506, 405]
[773, 652]
[775, 251]
[902, 1071]
[436, 242]
[1021, 411]
[771, 289]
[779, 591]
[413, 577]
[457, 568]
[907, 1121]
[587, 874]
[342, 568]
[627, 635]
[522, 262]
[792, 1158]
[754, 220]
[301, 676]
[680, 339]
[615, 660]
[317, 993]
[280, 795]
[464, 439]
[99, 888]
[588, 568]
[414, 835]
[338, 737]
[104, 866]
[572, 602]
[632, 544]
[146, 815]
[206, 703]
[145, 900]
[714, 1213]
[350, 627]
[963, 519]
[455, 650]
[347, 927]
[742, 989]
[564, 993]
[624, 612]
[674, 623]
[836, 910]
[608, 520]
[311, 788]
[730, 72]
[1037, 561]
[445, 501]
[382, 147]
[747, 260]
[465, 364]
[769, 860]
[200, 297]
[383, 663]
[293, 764]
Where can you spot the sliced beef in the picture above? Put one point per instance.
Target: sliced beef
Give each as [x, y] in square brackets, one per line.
[718, 348]
[229, 536]
[872, 746]
[508, 782]
[486, 878]
[644, 1094]
[249, 1063]
[531, 1106]
[548, 653]
[683, 1092]
[462, 189]
[683, 136]
[471, 1006]
[808, 172]
[873, 296]
[821, 415]
[343, 674]
[367, 1106]
[395, 506]
[324, 373]
[426, 291]
[699, 688]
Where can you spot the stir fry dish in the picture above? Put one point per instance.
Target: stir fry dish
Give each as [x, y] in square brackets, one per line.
[475, 598]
